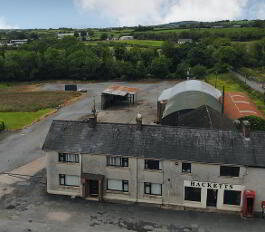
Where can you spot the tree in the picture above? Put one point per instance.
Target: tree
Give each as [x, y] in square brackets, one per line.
[104, 36]
[199, 71]
[160, 67]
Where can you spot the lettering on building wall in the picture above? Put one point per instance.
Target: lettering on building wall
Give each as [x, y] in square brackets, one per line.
[211, 185]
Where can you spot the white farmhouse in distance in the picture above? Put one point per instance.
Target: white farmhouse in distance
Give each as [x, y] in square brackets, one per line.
[62, 35]
[183, 41]
[126, 37]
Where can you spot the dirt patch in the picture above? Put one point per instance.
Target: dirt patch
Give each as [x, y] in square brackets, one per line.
[59, 216]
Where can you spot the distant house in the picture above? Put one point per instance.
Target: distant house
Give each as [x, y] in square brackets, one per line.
[236, 26]
[62, 35]
[183, 41]
[216, 27]
[126, 37]
[17, 42]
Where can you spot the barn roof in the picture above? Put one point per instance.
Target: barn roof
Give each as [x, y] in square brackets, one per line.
[190, 86]
[161, 142]
[120, 90]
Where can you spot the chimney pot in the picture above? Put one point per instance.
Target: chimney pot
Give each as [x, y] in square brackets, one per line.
[139, 121]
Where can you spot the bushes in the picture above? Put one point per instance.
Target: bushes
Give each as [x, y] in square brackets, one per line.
[2, 125]
[256, 123]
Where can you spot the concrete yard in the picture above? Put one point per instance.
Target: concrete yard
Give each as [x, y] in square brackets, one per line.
[25, 205]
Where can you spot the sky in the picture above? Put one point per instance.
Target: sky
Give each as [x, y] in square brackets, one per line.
[24, 14]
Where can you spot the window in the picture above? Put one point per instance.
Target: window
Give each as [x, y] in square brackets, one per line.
[70, 158]
[152, 164]
[229, 171]
[186, 167]
[153, 189]
[192, 194]
[118, 185]
[232, 197]
[117, 161]
[68, 180]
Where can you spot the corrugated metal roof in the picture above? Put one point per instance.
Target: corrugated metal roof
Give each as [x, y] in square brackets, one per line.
[238, 105]
[190, 86]
[120, 90]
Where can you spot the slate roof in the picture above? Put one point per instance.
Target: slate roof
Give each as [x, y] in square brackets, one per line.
[162, 142]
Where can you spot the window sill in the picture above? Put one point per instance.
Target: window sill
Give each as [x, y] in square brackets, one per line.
[186, 173]
[114, 167]
[69, 187]
[117, 192]
[68, 163]
[229, 177]
[154, 170]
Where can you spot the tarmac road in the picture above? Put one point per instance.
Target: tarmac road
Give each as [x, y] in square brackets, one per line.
[20, 148]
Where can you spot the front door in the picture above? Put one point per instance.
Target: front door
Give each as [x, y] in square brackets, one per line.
[93, 188]
[212, 197]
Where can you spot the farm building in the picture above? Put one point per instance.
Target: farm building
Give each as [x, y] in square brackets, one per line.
[186, 97]
[126, 37]
[118, 95]
[206, 169]
[183, 41]
[237, 105]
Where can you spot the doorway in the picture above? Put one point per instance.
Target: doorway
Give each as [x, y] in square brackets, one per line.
[93, 188]
[212, 197]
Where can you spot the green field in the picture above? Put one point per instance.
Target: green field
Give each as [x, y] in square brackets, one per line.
[141, 43]
[232, 84]
[18, 120]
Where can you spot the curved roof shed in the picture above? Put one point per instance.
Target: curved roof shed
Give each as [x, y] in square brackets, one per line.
[190, 95]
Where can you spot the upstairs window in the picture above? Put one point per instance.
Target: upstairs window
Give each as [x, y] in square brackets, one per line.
[186, 167]
[152, 164]
[229, 171]
[117, 161]
[69, 158]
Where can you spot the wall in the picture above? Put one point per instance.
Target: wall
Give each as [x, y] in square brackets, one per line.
[54, 168]
[171, 177]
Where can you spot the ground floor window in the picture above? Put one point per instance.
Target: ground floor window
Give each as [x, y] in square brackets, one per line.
[192, 194]
[232, 197]
[152, 189]
[69, 180]
[118, 185]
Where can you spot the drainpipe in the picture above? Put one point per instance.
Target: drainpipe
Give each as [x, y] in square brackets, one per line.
[223, 103]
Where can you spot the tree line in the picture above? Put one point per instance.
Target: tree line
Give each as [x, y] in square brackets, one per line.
[71, 59]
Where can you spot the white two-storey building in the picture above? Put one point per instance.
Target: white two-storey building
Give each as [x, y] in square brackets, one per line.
[169, 166]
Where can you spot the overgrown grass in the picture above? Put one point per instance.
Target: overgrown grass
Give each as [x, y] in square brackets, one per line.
[22, 105]
[257, 74]
[232, 84]
[18, 120]
[33, 101]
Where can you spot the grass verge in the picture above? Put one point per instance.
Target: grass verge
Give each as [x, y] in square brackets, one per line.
[18, 120]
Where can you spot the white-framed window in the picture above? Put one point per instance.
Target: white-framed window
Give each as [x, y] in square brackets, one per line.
[69, 180]
[152, 189]
[152, 164]
[117, 161]
[193, 194]
[118, 185]
[69, 158]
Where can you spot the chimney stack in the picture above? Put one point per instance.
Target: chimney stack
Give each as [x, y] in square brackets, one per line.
[246, 129]
[139, 121]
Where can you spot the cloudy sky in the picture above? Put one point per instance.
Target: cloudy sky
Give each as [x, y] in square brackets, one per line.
[108, 13]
